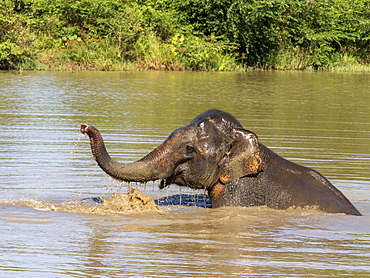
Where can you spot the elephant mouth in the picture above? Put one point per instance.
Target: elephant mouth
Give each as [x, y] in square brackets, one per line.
[177, 179]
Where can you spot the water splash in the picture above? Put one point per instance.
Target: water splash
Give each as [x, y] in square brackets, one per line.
[73, 151]
[133, 201]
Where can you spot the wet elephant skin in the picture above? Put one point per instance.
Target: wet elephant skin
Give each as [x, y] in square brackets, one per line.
[214, 152]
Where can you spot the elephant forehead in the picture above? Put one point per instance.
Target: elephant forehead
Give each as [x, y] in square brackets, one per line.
[208, 129]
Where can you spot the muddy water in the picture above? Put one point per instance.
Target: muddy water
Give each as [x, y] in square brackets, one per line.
[321, 120]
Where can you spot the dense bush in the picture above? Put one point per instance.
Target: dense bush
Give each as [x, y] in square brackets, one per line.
[273, 32]
[183, 34]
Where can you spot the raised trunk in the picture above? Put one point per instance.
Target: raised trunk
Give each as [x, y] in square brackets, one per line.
[140, 171]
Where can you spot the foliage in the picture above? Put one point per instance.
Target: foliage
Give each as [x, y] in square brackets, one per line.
[184, 34]
[266, 29]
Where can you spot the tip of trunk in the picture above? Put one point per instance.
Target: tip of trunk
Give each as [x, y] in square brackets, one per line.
[84, 128]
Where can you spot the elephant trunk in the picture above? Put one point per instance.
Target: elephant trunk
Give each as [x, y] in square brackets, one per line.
[143, 170]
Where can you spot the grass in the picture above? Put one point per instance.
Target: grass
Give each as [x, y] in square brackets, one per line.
[149, 53]
[296, 59]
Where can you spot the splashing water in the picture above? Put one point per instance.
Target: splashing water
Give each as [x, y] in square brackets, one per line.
[73, 151]
[133, 201]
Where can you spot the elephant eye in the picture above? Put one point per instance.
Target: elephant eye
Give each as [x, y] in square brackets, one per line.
[189, 149]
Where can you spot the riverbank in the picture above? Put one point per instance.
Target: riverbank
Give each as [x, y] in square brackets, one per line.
[83, 59]
[47, 64]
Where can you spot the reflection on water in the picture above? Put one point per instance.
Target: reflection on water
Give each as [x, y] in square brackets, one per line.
[321, 120]
[189, 200]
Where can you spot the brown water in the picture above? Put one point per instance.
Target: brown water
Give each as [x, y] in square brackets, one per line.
[321, 120]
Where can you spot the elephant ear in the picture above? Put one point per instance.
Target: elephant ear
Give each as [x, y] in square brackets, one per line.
[243, 158]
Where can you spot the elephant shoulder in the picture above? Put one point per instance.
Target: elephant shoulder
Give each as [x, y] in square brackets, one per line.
[272, 162]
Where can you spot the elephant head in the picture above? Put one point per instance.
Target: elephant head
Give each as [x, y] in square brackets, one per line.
[212, 149]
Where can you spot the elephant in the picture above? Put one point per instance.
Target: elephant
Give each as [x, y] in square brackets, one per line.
[215, 153]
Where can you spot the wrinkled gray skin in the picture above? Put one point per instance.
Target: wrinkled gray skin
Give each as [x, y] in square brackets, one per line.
[215, 153]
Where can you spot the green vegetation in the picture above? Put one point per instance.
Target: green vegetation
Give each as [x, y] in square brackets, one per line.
[185, 34]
